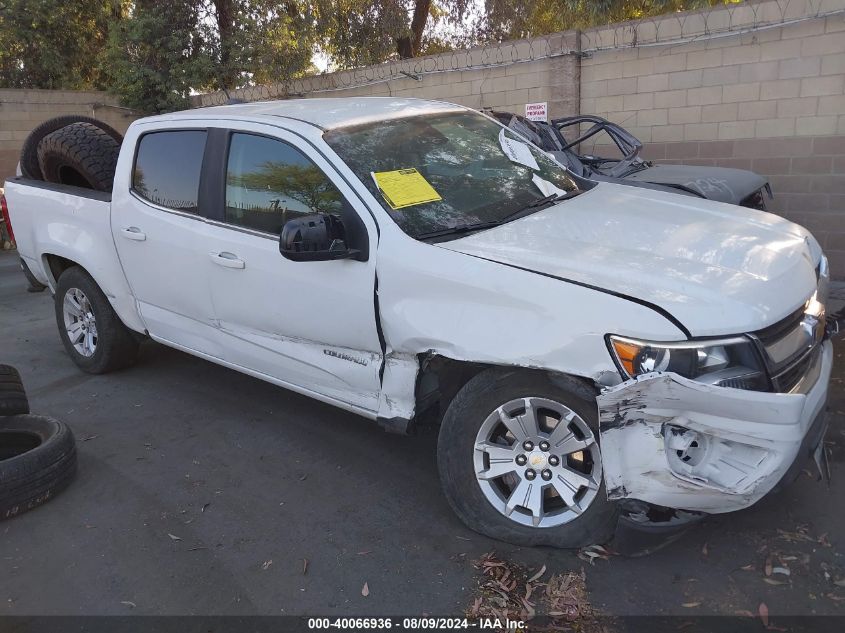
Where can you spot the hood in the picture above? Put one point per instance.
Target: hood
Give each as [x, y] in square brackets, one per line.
[714, 183]
[717, 268]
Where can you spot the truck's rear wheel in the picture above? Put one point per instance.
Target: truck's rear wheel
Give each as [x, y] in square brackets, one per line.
[519, 460]
[29, 152]
[79, 154]
[90, 330]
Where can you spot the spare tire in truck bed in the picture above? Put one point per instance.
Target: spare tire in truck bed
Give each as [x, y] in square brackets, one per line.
[37, 461]
[79, 154]
[29, 152]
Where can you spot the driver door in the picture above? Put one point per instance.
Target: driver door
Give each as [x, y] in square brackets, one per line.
[308, 325]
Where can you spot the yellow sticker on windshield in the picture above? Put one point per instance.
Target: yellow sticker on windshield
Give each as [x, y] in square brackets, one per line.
[404, 188]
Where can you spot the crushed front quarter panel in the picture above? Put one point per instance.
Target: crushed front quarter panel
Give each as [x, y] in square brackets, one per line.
[743, 441]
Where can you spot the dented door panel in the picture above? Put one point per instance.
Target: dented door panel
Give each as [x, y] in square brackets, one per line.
[675, 442]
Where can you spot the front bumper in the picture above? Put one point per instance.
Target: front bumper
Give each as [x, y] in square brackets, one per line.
[678, 443]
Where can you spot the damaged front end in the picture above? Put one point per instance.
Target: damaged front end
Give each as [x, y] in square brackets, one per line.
[679, 443]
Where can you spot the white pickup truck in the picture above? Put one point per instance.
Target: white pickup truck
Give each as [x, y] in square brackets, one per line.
[595, 350]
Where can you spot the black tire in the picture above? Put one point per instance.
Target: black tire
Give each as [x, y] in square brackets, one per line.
[37, 461]
[29, 152]
[12, 395]
[116, 346]
[34, 284]
[464, 417]
[79, 154]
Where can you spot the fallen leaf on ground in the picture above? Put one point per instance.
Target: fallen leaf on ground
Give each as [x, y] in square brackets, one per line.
[174, 537]
[781, 570]
[507, 591]
[266, 565]
[304, 566]
[704, 550]
[204, 506]
[691, 605]
[767, 567]
[89, 438]
[128, 603]
[365, 590]
[772, 581]
[763, 611]
[538, 574]
[592, 552]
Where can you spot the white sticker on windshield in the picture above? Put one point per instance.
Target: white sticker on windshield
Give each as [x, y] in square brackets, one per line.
[517, 151]
[547, 188]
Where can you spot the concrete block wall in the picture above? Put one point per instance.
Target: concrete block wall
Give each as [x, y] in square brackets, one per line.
[501, 77]
[22, 110]
[771, 100]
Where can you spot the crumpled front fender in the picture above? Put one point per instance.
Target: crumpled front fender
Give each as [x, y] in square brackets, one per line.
[675, 442]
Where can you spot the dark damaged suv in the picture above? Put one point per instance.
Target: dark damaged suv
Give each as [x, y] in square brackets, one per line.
[723, 184]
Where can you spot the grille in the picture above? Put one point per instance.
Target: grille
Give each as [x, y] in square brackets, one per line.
[777, 331]
[786, 380]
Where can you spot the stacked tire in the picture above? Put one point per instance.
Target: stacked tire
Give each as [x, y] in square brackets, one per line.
[37, 453]
[72, 150]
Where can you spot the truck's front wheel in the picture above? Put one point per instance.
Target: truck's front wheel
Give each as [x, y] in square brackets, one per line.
[90, 330]
[519, 460]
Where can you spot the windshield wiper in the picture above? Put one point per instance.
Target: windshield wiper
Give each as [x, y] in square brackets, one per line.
[532, 206]
[528, 209]
[456, 230]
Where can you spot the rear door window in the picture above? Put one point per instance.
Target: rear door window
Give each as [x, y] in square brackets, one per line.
[167, 168]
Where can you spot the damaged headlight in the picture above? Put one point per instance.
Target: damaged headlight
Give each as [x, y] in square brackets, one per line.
[732, 362]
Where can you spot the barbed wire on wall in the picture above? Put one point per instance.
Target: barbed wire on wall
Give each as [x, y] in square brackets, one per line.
[671, 29]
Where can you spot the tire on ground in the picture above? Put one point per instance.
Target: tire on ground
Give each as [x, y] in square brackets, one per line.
[79, 154]
[116, 347]
[29, 152]
[480, 397]
[37, 461]
[12, 395]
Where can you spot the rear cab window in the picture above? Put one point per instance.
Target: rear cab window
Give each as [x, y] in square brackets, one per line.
[167, 168]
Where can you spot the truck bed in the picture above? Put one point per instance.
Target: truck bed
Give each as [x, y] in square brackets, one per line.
[53, 221]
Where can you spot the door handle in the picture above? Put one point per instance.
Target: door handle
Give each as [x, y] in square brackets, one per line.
[228, 260]
[134, 233]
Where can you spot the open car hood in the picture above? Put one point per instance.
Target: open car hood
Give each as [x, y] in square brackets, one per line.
[717, 268]
[714, 183]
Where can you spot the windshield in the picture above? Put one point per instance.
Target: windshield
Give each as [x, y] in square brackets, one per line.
[441, 171]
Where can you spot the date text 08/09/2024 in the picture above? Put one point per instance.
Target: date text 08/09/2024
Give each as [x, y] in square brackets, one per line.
[416, 624]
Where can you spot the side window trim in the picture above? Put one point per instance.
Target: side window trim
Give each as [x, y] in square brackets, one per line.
[212, 190]
[138, 196]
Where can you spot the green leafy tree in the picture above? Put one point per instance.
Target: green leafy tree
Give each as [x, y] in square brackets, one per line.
[53, 43]
[154, 56]
[503, 19]
[364, 32]
[256, 41]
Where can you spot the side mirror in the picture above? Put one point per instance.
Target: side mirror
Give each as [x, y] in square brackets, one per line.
[315, 238]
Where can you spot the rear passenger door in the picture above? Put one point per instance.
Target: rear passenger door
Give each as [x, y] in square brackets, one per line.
[310, 325]
[159, 232]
